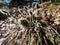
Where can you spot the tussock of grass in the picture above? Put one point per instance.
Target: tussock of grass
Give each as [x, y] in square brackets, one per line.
[42, 30]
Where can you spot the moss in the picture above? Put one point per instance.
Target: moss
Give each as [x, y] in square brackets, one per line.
[55, 1]
[24, 23]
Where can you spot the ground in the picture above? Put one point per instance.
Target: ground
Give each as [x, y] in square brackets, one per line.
[36, 25]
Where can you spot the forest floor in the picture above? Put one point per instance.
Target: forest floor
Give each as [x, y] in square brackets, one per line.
[36, 24]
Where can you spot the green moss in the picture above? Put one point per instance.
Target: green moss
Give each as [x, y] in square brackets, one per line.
[55, 1]
[24, 23]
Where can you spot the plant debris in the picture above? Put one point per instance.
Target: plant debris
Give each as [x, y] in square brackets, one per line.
[42, 22]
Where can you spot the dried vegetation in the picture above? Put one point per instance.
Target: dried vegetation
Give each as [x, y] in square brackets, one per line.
[36, 25]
